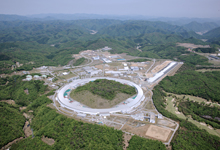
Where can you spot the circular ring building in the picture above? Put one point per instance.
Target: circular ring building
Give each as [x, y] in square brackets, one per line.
[125, 107]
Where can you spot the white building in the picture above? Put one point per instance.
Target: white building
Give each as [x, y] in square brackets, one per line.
[95, 72]
[65, 73]
[96, 58]
[135, 68]
[106, 48]
[106, 60]
[161, 73]
[114, 56]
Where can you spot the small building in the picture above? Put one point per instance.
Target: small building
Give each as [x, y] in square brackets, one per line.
[81, 115]
[50, 79]
[44, 76]
[139, 116]
[82, 73]
[36, 76]
[114, 56]
[160, 116]
[106, 60]
[106, 48]
[28, 76]
[42, 67]
[96, 58]
[72, 79]
[25, 72]
[135, 68]
[95, 72]
[65, 73]
[152, 118]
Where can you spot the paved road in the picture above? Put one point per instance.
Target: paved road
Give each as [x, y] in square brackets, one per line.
[151, 66]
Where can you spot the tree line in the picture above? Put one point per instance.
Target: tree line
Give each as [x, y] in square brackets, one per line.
[106, 88]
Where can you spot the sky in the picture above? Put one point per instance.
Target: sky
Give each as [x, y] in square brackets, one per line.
[150, 8]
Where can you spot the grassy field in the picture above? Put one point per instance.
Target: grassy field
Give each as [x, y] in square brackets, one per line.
[149, 105]
[194, 98]
[70, 75]
[170, 107]
[94, 101]
[205, 70]
[215, 62]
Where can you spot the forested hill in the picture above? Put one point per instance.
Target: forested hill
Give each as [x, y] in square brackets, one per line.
[135, 28]
[52, 42]
[49, 32]
[213, 36]
[200, 27]
[213, 33]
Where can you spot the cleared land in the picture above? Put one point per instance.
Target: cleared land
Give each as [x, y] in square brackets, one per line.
[160, 67]
[195, 98]
[190, 45]
[47, 140]
[94, 101]
[206, 70]
[158, 132]
[172, 109]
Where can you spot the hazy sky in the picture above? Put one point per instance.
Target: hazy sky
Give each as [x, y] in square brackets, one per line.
[154, 8]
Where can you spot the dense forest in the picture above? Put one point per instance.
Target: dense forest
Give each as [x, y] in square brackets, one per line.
[205, 50]
[15, 89]
[79, 61]
[52, 43]
[69, 133]
[106, 88]
[12, 122]
[194, 83]
[137, 142]
[201, 113]
[188, 136]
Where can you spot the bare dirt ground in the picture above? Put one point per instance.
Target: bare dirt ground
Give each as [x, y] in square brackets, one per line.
[22, 108]
[11, 102]
[125, 56]
[100, 66]
[207, 70]
[95, 101]
[190, 45]
[160, 67]
[126, 138]
[47, 140]
[26, 116]
[158, 133]
[149, 105]
[27, 129]
[140, 131]
[166, 123]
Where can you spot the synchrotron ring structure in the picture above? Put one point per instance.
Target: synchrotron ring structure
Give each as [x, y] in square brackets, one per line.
[125, 107]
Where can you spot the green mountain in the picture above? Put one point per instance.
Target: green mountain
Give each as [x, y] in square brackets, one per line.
[215, 33]
[200, 27]
[4, 17]
[213, 36]
[50, 32]
[136, 28]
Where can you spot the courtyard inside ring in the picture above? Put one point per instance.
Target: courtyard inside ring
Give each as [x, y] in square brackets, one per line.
[127, 106]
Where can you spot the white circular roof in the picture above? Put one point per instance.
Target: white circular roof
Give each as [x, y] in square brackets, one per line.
[129, 104]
